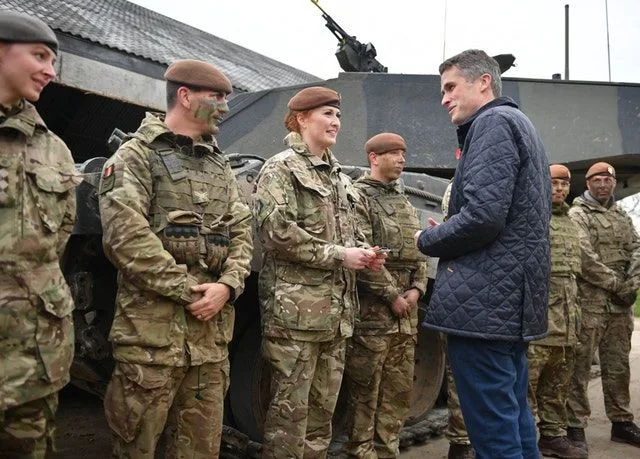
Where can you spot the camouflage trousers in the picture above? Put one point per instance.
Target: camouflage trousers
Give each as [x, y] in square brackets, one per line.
[379, 374]
[305, 382]
[456, 431]
[27, 430]
[142, 399]
[550, 370]
[611, 335]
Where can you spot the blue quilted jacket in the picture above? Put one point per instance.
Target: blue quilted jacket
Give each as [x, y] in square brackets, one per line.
[493, 275]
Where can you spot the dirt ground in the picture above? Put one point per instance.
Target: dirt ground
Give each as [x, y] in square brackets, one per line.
[83, 433]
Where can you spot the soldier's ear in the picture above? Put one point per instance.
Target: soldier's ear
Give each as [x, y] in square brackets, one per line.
[302, 117]
[184, 96]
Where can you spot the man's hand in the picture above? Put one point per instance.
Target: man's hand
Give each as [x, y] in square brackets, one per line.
[357, 258]
[416, 235]
[214, 297]
[401, 307]
[412, 296]
[381, 256]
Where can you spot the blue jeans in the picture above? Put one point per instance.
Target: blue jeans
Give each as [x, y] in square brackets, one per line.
[491, 377]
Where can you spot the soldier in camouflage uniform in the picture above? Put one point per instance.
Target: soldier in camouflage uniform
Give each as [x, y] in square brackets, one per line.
[551, 358]
[180, 235]
[381, 353]
[607, 291]
[459, 443]
[305, 211]
[37, 212]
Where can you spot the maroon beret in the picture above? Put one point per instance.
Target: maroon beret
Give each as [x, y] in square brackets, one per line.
[558, 171]
[601, 169]
[384, 142]
[191, 72]
[313, 97]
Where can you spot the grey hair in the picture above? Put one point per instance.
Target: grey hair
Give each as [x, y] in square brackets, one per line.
[474, 63]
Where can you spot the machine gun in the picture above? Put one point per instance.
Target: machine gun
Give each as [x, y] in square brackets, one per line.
[352, 55]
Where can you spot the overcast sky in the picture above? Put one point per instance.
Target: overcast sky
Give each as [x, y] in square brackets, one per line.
[411, 36]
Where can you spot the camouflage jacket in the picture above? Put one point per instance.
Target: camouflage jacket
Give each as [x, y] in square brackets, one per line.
[387, 219]
[172, 217]
[305, 211]
[564, 312]
[37, 212]
[611, 253]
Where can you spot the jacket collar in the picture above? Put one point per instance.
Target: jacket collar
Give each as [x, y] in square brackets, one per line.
[588, 200]
[154, 128]
[24, 118]
[369, 180]
[560, 208]
[294, 141]
[463, 129]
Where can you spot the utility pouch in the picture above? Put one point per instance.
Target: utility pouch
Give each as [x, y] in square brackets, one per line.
[217, 245]
[181, 236]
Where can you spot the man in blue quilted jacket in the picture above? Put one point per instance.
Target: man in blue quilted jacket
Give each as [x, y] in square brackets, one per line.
[490, 294]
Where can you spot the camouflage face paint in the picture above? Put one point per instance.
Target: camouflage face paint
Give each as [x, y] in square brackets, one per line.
[210, 110]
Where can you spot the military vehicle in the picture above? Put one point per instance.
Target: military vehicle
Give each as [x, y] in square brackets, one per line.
[108, 81]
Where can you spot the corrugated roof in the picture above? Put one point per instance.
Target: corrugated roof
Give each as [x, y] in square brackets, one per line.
[133, 29]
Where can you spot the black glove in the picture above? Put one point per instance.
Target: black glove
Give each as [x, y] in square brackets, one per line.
[625, 299]
[627, 294]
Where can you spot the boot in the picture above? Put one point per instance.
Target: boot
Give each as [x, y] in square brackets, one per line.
[458, 451]
[625, 432]
[560, 447]
[577, 438]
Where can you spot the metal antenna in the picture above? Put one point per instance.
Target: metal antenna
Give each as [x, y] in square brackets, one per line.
[444, 34]
[606, 9]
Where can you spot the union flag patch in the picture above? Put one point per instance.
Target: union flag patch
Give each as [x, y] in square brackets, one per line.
[108, 179]
[107, 172]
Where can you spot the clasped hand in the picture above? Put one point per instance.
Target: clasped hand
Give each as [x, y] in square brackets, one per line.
[213, 297]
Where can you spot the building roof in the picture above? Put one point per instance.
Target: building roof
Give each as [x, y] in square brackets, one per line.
[127, 27]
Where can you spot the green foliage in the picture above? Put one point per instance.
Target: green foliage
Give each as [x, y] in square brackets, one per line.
[636, 311]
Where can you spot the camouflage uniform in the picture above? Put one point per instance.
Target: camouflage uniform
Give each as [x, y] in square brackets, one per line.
[380, 356]
[456, 431]
[37, 212]
[551, 358]
[305, 215]
[172, 218]
[611, 256]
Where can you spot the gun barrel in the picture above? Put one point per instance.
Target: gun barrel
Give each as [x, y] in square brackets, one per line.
[352, 55]
[331, 24]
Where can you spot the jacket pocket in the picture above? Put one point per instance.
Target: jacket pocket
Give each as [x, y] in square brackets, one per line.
[54, 332]
[50, 188]
[304, 297]
[145, 321]
[314, 207]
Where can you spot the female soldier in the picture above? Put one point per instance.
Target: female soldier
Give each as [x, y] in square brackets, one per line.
[304, 207]
[37, 211]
